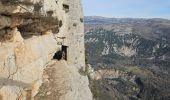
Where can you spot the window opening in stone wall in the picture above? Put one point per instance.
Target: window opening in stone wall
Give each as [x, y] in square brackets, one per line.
[58, 55]
[62, 54]
[66, 8]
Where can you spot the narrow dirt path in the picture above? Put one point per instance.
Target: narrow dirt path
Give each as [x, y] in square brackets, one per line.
[62, 82]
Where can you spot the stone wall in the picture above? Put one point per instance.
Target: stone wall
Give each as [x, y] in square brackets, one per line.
[73, 32]
[31, 32]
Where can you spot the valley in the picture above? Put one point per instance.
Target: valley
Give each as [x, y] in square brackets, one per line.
[138, 47]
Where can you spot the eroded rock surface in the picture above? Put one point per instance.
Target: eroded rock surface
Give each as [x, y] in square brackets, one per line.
[64, 83]
[31, 33]
[22, 63]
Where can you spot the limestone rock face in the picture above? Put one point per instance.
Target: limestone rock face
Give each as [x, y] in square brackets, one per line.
[22, 63]
[64, 83]
[32, 32]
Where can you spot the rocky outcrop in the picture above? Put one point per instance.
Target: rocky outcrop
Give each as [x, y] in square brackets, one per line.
[22, 63]
[32, 32]
[64, 83]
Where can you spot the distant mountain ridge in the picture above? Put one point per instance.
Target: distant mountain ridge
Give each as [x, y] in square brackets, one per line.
[135, 46]
[149, 28]
[144, 38]
[92, 19]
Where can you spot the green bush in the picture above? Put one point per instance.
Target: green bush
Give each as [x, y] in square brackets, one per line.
[94, 88]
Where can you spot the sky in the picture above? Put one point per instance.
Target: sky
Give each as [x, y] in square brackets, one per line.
[127, 8]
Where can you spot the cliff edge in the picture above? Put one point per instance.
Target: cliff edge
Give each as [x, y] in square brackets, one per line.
[34, 33]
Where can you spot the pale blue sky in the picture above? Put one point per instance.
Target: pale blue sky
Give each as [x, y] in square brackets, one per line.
[127, 8]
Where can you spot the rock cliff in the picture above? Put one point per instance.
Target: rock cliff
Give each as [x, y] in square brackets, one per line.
[32, 33]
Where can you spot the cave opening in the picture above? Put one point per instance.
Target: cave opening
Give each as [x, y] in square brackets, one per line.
[62, 54]
[66, 8]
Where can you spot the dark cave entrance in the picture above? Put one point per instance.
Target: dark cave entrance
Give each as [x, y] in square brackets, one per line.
[66, 8]
[62, 54]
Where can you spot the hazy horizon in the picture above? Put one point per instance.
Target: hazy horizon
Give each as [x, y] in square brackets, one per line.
[128, 17]
[127, 8]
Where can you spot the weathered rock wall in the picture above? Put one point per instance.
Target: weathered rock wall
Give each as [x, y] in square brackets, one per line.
[22, 63]
[63, 82]
[73, 33]
[31, 32]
